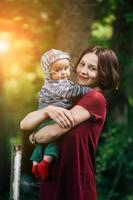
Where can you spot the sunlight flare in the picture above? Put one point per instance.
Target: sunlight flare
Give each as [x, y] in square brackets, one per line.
[4, 46]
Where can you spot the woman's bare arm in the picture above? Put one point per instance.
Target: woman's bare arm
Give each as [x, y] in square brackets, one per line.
[60, 115]
[33, 119]
[51, 132]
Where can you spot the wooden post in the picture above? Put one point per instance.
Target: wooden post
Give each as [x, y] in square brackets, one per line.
[15, 172]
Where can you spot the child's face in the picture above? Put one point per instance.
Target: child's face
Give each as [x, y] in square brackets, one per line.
[60, 70]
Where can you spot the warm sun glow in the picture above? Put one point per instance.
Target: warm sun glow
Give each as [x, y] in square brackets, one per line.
[4, 46]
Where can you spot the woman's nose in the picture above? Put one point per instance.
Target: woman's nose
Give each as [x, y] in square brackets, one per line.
[84, 70]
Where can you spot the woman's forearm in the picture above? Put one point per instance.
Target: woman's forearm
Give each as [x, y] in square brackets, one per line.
[52, 132]
[49, 133]
[33, 119]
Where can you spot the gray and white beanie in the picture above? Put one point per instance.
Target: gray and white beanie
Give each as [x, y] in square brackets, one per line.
[50, 57]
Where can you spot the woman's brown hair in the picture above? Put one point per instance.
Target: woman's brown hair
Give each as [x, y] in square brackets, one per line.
[108, 67]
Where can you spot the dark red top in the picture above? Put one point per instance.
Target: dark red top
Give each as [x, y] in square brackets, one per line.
[72, 177]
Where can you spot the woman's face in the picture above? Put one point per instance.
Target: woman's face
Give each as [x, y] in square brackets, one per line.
[87, 70]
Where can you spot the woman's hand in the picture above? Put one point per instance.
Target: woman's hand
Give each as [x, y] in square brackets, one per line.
[32, 138]
[60, 115]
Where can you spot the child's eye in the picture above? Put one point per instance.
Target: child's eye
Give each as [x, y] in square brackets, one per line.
[58, 70]
[66, 68]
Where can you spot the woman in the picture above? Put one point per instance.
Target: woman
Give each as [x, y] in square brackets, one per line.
[72, 177]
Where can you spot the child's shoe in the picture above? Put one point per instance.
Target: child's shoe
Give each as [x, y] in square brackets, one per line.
[43, 169]
[35, 171]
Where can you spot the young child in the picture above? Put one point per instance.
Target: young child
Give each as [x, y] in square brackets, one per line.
[57, 90]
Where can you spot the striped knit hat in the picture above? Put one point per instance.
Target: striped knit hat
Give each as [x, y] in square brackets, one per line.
[50, 57]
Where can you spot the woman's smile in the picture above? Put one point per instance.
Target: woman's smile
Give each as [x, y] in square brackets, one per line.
[81, 78]
[87, 81]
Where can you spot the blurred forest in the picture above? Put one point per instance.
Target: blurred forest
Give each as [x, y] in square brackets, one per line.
[30, 27]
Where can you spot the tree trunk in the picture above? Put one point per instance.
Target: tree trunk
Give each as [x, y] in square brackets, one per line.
[74, 26]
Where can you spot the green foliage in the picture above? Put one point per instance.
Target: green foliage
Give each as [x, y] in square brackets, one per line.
[114, 161]
[102, 31]
[113, 28]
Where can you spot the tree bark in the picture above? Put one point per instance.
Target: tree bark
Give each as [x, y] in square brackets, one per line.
[75, 25]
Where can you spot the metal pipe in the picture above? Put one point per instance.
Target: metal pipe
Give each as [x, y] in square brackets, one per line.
[15, 172]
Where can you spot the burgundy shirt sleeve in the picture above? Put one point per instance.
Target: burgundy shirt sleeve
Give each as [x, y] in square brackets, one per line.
[95, 103]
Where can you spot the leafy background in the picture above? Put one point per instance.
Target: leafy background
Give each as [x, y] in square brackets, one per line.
[30, 27]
